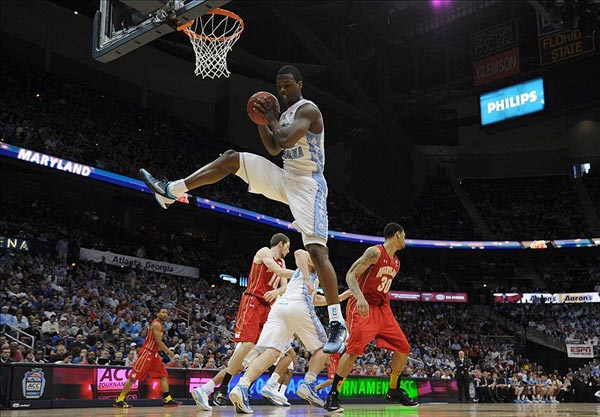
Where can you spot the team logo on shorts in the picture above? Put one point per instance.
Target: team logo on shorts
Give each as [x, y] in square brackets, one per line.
[33, 383]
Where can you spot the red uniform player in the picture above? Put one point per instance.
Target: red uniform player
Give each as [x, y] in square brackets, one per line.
[149, 362]
[267, 280]
[369, 315]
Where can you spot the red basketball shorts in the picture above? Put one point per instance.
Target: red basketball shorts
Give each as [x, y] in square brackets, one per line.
[148, 363]
[380, 325]
[252, 316]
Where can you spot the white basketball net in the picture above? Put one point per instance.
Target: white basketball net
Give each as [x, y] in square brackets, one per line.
[212, 36]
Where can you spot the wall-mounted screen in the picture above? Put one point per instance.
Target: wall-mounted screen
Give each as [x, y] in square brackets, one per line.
[510, 102]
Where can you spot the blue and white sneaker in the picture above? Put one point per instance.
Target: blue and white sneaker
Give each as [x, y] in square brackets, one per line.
[272, 394]
[200, 396]
[239, 397]
[159, 188]
[308, 392]
[337, 336]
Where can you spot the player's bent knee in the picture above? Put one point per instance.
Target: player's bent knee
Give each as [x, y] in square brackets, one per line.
[231, 159]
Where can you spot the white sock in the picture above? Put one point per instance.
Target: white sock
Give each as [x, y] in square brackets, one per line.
[244, 382]
[335, 313]
[282, 389]
[177, 188]
[310, 377]
[209, 386]
[274, 379]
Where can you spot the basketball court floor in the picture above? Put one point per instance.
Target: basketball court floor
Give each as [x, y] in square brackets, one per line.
[350, 410]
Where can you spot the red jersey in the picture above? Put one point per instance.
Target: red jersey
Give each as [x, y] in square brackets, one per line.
[376, 281]
[262, 280]
[151, 343]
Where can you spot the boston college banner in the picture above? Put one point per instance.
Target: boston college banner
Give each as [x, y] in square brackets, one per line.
[117, 259]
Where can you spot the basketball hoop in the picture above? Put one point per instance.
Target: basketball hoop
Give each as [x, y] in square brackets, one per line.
[213, 35]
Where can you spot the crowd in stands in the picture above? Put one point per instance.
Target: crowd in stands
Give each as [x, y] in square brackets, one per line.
[529, 208]
[567, 322]
[85, 313]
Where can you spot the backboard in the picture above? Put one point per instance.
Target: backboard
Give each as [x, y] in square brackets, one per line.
[121, 26]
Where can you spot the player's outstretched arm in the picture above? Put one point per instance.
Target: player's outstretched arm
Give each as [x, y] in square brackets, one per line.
[264, 255]
[320, 300]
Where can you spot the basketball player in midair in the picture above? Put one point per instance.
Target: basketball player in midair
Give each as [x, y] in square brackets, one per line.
[150, 363]
[266, 281]
[370, 316]
[299, 134]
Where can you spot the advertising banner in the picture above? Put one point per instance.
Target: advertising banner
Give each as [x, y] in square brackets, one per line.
[434, 297]
[564, 45]
[507, 297]
[579, 297]
[494, 39]
[62, 383]
[538, 297]
[405, 296]
[117, 259]
[580, 351]
[496, 67]
[510, 102]
[31, 386]
[444, 297]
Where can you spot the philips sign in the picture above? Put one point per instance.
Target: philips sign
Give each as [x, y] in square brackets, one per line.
[514, 101]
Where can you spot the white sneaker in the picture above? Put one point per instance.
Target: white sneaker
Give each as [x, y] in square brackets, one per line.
[272, 394]
[307, 391]
[239, 397]
[200, 396]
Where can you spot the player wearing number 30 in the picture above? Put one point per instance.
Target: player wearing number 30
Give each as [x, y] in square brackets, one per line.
[369, 315]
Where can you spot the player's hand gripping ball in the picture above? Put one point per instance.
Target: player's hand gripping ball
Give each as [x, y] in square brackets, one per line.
[264, 99]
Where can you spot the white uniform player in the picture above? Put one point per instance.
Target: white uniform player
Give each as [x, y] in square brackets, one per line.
[299, 135]
[300, 184]
[292, 314]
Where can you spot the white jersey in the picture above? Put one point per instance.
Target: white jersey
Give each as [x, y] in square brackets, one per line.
[293, 313]
[297, 290]
[308, 154]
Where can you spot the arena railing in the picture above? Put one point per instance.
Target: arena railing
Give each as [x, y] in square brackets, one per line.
[18, 332]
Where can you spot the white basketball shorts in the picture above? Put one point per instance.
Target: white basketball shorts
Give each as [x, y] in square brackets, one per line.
[287, 318]
[306, 195]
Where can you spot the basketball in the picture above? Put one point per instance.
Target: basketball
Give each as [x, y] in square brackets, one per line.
[253, 114]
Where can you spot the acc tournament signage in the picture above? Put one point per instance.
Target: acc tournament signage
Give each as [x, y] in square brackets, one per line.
[510, 102]
[113, 379]
[33, 383]
[580, 351]
[117, 259]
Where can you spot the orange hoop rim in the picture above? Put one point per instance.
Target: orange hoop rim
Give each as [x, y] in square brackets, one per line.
[186, 27]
